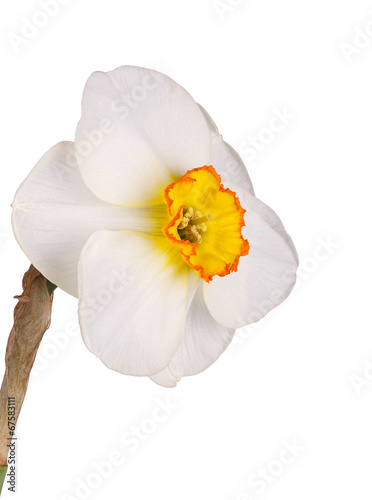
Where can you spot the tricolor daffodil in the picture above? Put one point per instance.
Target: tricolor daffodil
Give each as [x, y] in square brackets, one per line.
[150, 219]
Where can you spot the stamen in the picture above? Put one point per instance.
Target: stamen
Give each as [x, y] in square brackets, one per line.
[192, 224]
[190, 233]
[199, 220]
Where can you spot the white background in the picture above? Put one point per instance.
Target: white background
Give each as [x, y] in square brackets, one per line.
[300, 374]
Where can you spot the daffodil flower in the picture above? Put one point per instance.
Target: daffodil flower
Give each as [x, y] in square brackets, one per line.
[134, 220]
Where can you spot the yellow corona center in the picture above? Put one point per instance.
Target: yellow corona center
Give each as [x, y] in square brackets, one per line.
[212, 243]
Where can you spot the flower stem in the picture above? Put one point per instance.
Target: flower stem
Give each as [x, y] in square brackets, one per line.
[3, 469]
[32, 317]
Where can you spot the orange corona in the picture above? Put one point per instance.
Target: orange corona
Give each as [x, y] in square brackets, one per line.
[206, 223]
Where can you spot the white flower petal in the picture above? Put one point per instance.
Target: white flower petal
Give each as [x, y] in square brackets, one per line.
[226, 161]
[55, 213]
[139, 131]
[132, 301]
[264, 277]
[204, 341]
[165, 378]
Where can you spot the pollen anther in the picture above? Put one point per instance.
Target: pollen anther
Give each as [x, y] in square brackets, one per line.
[192, 224]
